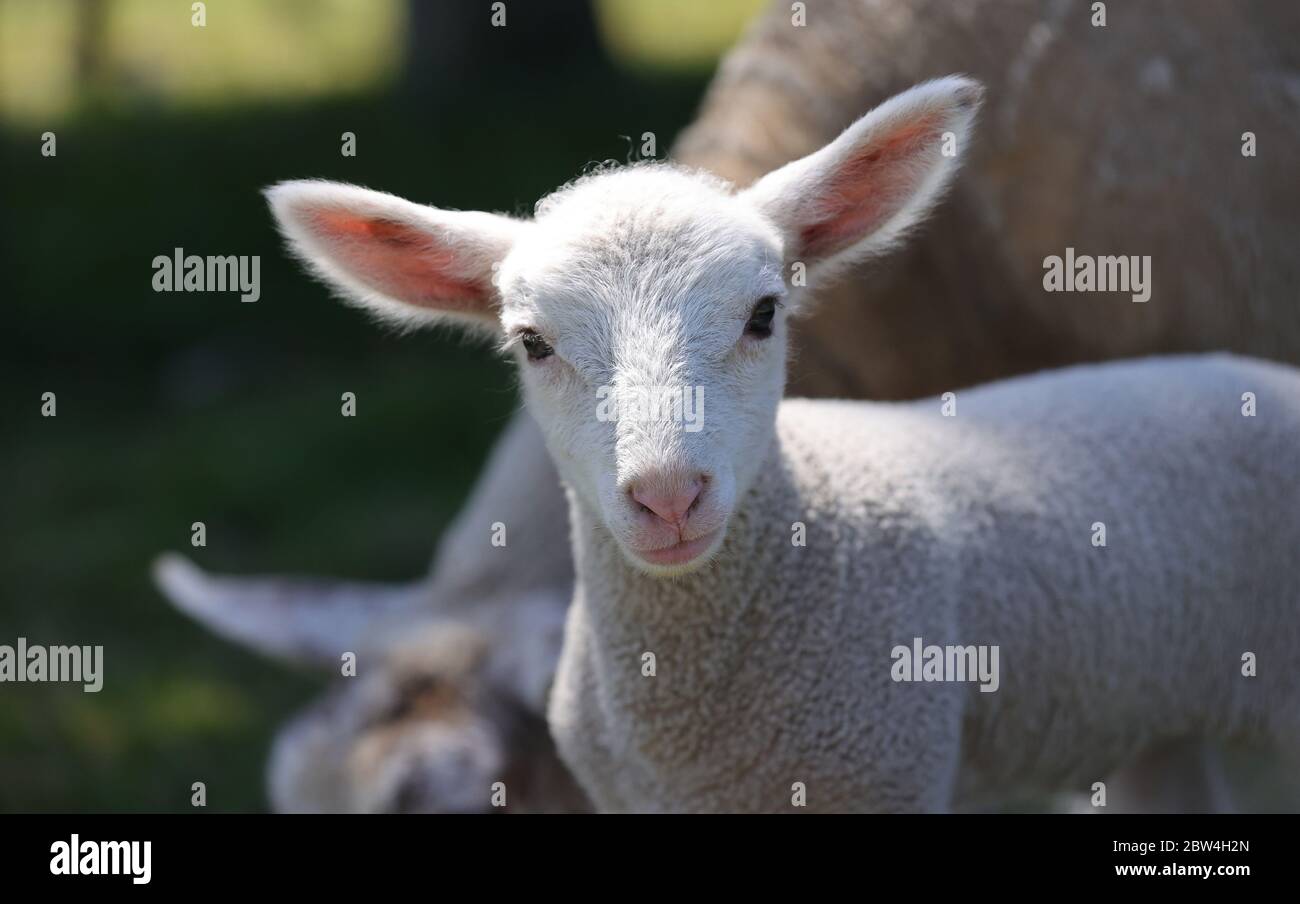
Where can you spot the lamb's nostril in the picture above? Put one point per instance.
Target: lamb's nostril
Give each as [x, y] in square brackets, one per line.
[701, 482]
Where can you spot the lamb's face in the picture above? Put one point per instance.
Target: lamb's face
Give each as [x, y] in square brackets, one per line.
[645, 311]
[638, 301]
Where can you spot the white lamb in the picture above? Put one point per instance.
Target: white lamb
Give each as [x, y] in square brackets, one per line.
[747, 591]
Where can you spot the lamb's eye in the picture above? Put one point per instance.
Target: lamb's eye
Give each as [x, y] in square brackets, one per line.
[537, 347]
[760, 321]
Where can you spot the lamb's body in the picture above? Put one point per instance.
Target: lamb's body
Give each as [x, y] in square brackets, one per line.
[773, 668]
[773, 664]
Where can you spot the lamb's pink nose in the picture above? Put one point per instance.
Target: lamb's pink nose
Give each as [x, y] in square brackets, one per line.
[670, 499]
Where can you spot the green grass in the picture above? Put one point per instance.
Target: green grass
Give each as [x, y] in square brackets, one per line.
[175, 408]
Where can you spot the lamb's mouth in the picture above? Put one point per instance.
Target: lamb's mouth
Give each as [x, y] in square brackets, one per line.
[680, 554]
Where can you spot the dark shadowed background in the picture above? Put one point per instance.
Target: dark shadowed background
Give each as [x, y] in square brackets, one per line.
[177, 408]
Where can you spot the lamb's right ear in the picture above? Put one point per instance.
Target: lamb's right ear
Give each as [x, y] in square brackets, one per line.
[406, 262]
[859, 195]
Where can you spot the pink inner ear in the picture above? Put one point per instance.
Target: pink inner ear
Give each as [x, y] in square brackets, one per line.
[400, 261]
[869, 187]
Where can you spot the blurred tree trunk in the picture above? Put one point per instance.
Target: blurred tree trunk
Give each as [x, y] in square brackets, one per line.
[90, 63]
[447, 43]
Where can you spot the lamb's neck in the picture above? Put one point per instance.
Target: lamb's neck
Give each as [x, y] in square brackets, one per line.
[712, 637]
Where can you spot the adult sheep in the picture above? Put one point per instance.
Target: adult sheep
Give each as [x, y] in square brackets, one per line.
[1122, 138]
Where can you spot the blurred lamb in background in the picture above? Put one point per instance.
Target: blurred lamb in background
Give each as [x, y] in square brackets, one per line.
[452, 672]
[1116, 139]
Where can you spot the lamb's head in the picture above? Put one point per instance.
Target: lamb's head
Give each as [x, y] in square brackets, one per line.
[440, 707]
[647, 306]
[413, 732]
[424, 728]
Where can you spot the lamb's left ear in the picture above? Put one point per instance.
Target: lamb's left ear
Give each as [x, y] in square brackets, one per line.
[404, 261]
[859, 195]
